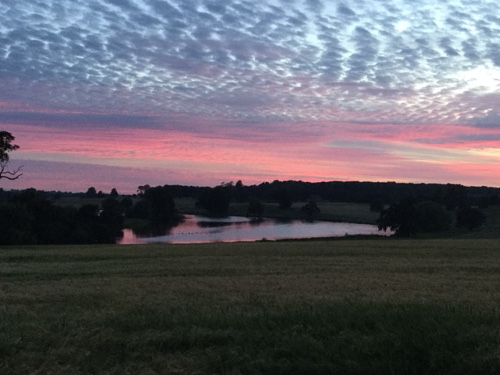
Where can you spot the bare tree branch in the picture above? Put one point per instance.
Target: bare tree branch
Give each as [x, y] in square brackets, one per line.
[9, 175]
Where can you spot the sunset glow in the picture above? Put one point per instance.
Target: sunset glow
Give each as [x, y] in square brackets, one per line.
[124, 93]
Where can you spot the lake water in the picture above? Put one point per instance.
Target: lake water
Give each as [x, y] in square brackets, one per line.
[200, 229]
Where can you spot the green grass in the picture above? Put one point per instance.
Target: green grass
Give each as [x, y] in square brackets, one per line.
[318, 307]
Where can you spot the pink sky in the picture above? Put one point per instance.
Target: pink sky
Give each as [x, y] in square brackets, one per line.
[198, 93]
[75, 159]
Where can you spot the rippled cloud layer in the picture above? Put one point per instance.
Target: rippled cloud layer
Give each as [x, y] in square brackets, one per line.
[310, 89]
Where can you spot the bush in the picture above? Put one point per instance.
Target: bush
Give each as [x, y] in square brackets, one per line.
[407, 218]
[432, 217]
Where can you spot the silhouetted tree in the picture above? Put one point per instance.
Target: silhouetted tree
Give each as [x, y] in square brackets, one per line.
[127, 204]
[239, 192]
[217, 200]
[162, 205]
[113, 193]
[29, 217]
[400, 218]
[484, 202]
[285, 199]
[6, 146]
[310, 209]
[255, 208]
[141, 210]
[469, 217]
[50, 224]
[141, 190]
[431, 217]
[455, 196]
[16, 225]
[91, 192]
[407, 218]
[111, 217]
[87, 224]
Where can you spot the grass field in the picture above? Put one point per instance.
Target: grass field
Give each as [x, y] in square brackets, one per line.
[316, 307]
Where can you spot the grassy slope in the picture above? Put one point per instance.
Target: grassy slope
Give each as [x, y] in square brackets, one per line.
[364, 307]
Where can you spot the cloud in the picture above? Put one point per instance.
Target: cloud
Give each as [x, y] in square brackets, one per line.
[241, 71]
[483, 138]
[77, 120]
[315, 5]
[491, 120]
[152, 49]
[345, 10]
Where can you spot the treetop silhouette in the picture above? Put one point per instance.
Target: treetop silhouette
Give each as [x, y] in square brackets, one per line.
[6, 146]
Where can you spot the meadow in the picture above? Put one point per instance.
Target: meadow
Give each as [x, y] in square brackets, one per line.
[305, 307]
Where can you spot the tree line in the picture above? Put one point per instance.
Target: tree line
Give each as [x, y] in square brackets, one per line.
[407, 209]
[31, 217]
[34, 217]
[283, 192]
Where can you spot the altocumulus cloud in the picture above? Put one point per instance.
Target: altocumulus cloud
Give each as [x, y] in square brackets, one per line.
[167, 55]
[312, 64]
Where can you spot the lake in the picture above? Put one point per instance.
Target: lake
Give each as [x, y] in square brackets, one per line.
[200, 229]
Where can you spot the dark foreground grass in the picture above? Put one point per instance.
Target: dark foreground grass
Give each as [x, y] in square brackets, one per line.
[322, 307]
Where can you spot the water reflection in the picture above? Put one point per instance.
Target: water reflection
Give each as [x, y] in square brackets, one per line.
[198, 229]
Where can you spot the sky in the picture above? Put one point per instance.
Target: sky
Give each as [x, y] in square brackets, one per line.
[122, 93]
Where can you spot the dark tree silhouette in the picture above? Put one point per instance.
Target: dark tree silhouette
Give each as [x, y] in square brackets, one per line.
[141, 190]
[432, 217]
[239, 192]
[409, 217]
[469, 217]
[310, 209]
[216, 200]
[455, 196]
[161, 204]
[91, 192]
[6, 146]
[285, 199]
[112, 218]
[255, 208]
[400, 217]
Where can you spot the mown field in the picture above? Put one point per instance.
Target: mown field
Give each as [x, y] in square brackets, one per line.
[314, 307]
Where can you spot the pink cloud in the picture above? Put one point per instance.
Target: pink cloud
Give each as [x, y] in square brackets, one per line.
[317, 151]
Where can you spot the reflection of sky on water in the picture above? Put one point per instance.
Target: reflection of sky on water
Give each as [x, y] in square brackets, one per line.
[198, 229]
